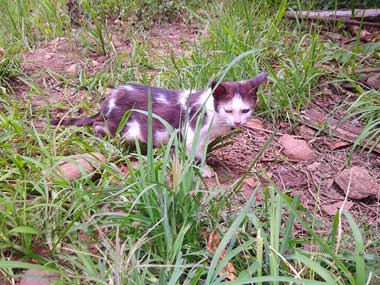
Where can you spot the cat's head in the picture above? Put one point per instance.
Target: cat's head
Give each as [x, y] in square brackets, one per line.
[235, 101]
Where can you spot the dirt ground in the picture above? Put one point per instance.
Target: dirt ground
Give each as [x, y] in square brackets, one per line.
[312, 180]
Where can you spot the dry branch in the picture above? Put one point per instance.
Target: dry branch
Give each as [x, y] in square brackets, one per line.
[343, 131]
[366, 14]
[340, 15]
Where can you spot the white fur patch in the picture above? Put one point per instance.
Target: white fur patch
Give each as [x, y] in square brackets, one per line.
[238, 104]
[128, 87]
[207, 100]
[111, 105]
[183, 96]
[161, 98]
[189, 139]
[207, 172]
[133, 131]
[100, 130]
[161, 137]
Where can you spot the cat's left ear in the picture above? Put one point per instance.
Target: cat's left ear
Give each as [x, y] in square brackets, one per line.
[254, 83]
[219, 90]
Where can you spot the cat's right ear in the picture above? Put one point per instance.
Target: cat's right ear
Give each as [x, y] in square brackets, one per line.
[218, 90]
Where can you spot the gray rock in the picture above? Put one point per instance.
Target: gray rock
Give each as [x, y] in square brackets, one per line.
[38, 277]
[358, 181]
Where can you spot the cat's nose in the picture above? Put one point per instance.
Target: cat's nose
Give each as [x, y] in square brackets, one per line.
[237, 123]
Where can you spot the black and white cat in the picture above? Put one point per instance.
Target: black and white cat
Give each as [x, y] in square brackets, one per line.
[228, 105]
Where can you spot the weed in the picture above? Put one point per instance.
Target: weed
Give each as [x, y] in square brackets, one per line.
[366, 108]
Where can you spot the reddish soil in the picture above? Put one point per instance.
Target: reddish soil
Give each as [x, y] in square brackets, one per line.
[312, 180]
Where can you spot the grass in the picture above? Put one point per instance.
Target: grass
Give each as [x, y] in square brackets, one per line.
[151, 226]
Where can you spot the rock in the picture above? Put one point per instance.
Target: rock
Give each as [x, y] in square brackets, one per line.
[48, 56]
[296, 149]
[360, 183]
[72, 68]
[76, 166]
[374, 81]
[207, 172]
[38, 277]
[250, 182]
[331, 209]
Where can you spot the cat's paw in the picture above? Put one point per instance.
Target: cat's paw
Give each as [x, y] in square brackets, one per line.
[207, 172]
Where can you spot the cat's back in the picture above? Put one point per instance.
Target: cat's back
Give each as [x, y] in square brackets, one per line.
[136, 96]
[139, 94]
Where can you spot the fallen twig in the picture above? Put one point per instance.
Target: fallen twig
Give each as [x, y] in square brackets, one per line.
[355, 14]
[335, 16]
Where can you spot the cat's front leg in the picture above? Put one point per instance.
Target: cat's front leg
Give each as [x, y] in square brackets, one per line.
[207, 171]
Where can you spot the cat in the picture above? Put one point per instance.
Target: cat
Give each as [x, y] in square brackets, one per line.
[228, 105]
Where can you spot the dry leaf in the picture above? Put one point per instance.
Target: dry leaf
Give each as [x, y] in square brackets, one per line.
[250, 182]
[213, 242]
[331, 209]
[255, 124]
[339, 144]
[124, 169]
[212, 245]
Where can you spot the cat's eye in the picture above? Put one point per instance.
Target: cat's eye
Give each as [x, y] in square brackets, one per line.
[228, 110]
[245, 110]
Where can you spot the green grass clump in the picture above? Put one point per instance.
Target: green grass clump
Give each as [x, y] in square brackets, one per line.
[23, 23]
[151, 226]
[366, 108]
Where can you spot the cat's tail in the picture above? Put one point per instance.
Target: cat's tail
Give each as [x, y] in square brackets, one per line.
[82, 121]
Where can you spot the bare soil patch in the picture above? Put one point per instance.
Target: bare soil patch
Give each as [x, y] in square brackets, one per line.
[313, 180]
[62, 59]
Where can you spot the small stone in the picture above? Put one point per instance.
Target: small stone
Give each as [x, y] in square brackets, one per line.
[331, 209]
[2, 51]
[358, 182]
[48, 56]
[38, 277]
[374, 81]
[76, 166]
[296, 149]
[250, 182]
[72, 68]
[314, 166]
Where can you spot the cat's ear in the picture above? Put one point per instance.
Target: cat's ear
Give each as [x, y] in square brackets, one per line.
[254, 83]
[219, 90]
